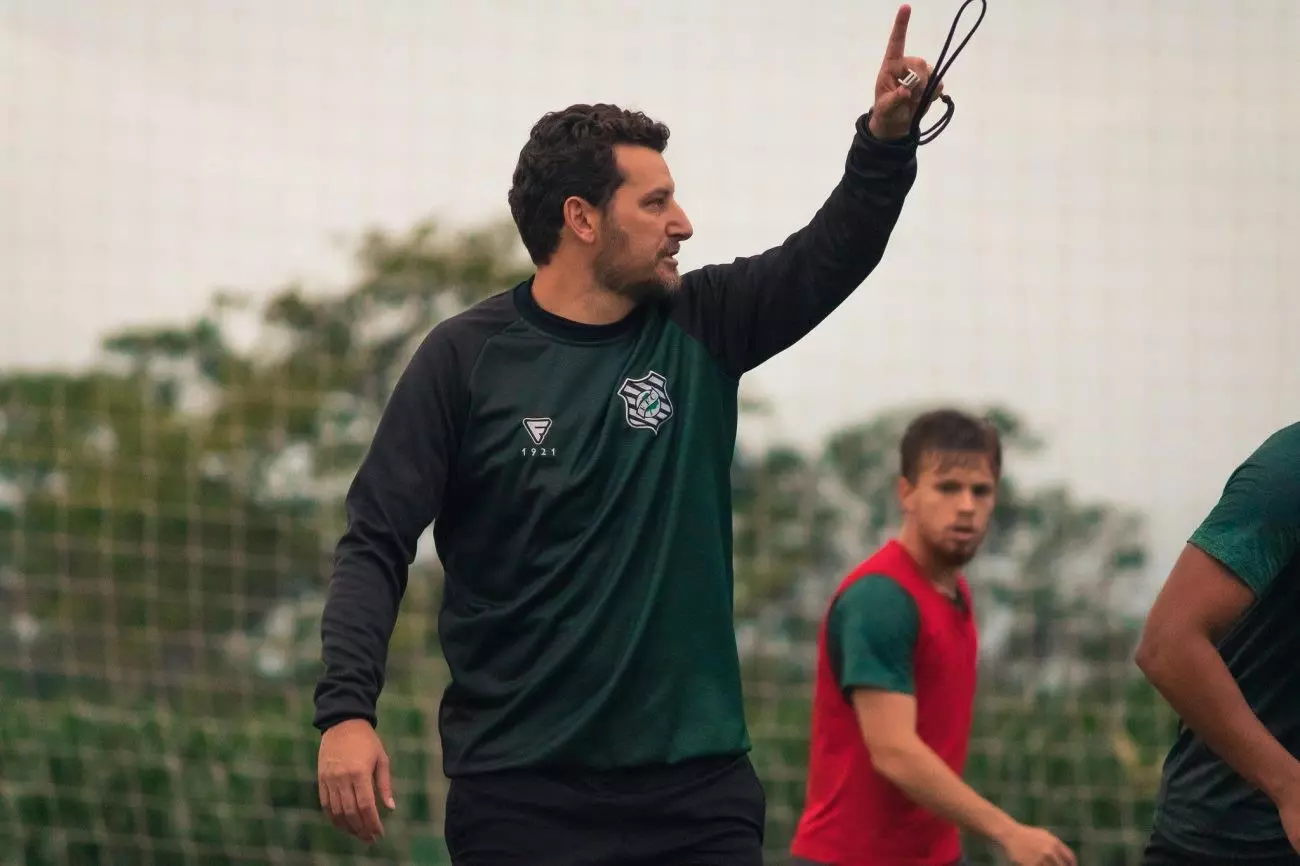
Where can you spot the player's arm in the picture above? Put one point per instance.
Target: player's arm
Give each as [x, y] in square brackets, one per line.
[748, 310]
[1231, 559]
[875, 626]
[396, 494]
[888, 723]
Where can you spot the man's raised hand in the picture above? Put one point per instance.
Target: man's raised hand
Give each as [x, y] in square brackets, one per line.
[896, 103]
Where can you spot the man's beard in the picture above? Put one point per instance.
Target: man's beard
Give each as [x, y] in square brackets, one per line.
[956, 556]
[645, 290]
[638, 286]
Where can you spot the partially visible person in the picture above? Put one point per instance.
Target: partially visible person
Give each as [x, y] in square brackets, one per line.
[1222, 645]
[896, 672]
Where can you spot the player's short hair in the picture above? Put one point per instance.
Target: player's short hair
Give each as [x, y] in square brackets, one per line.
[571, 152]
[947, 431]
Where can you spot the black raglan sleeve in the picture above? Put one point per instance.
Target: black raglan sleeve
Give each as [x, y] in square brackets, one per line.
[753, 308]
[396, 494]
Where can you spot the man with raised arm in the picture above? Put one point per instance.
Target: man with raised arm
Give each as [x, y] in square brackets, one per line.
[570, 440]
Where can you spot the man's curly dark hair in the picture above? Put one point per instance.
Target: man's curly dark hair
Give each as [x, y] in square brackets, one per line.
[571, 153]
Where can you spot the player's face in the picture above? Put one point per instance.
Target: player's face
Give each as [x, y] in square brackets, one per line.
[642, 229]
[950, 504]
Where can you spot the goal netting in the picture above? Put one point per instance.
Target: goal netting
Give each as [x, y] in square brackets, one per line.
[1096, 254]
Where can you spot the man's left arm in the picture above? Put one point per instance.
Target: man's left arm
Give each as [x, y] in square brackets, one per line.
[1243, 545]
[755, 307]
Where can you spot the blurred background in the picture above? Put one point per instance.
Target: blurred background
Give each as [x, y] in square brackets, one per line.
[225, 225]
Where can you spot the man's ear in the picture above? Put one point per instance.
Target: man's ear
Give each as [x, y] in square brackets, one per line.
[582, 218]
[904, 490]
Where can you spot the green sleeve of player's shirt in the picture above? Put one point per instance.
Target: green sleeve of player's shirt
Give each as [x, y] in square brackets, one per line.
[871, 635]
[1254, 528]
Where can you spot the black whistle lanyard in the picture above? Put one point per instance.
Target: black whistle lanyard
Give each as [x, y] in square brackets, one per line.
[939, 69]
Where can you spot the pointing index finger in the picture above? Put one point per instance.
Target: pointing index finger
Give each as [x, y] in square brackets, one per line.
[898, 36]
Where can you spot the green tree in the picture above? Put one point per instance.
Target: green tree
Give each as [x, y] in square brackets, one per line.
[181, 500]
[118, 544]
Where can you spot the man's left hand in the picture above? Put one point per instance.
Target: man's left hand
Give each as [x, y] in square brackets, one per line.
[896, 104]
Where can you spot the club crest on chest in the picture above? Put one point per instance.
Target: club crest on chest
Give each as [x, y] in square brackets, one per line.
[646, 405]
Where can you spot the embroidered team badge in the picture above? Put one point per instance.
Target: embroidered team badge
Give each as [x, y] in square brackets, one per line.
[645, 402]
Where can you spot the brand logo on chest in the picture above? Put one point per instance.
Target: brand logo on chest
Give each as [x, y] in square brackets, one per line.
[537, 429]
[646, 405]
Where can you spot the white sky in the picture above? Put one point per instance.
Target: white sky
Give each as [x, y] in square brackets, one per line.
[1122, 168]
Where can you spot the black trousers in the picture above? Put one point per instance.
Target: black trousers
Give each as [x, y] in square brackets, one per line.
[1161, 852]
[707, 812]
[798, 861]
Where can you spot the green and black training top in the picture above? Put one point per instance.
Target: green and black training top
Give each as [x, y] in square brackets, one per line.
[1204, 806]
[578, 481]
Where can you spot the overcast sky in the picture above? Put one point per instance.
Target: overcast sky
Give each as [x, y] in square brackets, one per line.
[1106, 237]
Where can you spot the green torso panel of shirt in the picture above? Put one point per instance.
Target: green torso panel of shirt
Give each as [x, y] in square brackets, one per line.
[578, 481]
[1204, 806]
[609, 595]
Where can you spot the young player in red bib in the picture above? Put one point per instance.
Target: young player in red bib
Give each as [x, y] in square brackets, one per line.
[895, 681]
